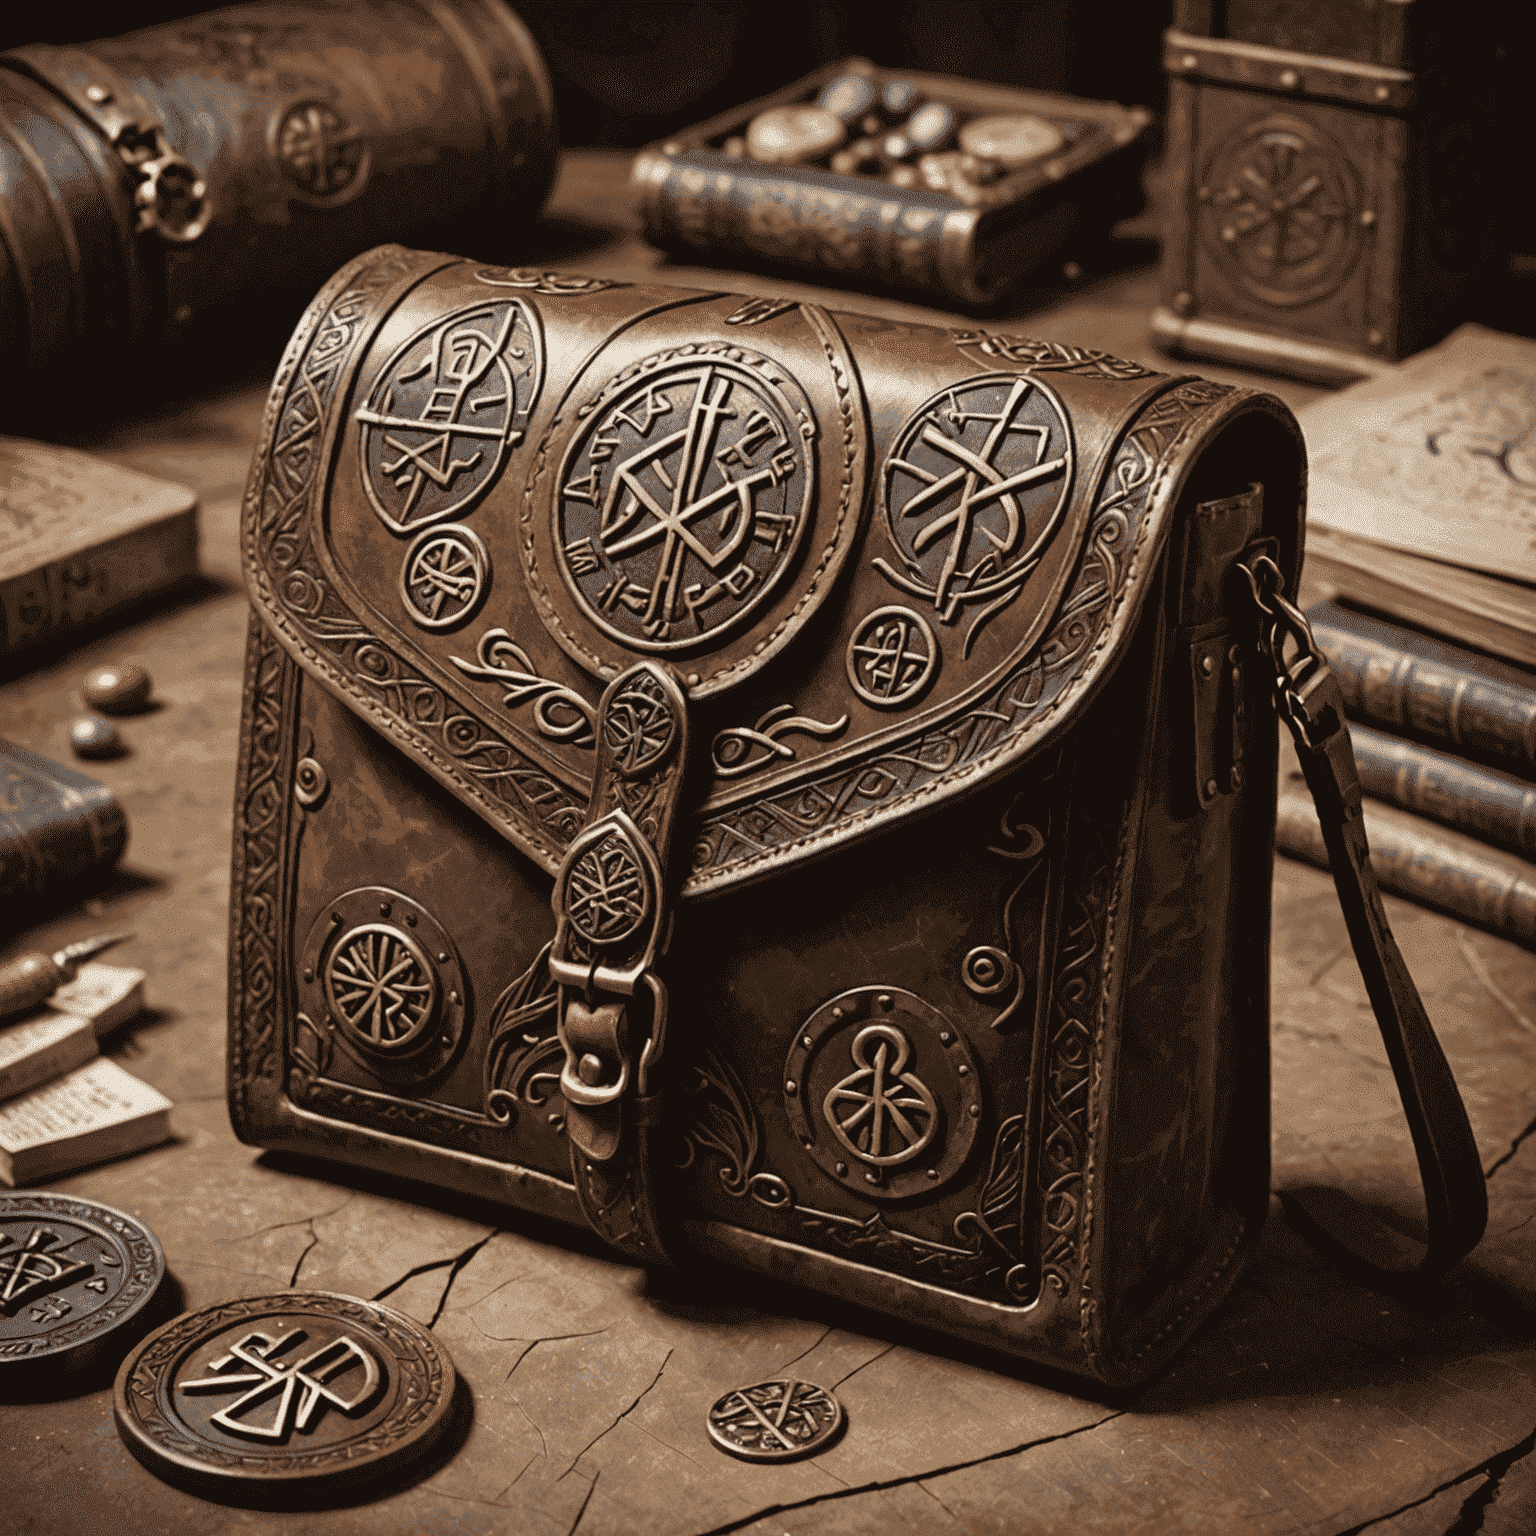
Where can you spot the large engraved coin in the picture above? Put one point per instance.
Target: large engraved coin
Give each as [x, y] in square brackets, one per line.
[791, 135]
[302, 1390]
[72, 1274]
[681, 503]
[775, 1420]
[1011, 140]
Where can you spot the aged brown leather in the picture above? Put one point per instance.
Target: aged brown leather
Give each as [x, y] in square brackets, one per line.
[786, 786]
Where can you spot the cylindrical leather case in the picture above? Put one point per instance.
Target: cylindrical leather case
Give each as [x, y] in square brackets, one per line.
[234, 158]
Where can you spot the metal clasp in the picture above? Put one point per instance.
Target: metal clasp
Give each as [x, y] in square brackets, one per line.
[171, 198]
[1285, 630]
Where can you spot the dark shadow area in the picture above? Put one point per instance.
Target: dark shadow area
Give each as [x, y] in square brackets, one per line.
[564, 239]
[123, 887]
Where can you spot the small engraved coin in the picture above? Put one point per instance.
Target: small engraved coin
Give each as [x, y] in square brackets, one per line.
[775, 1420]
[72, 1272]
[791, 135]
[1011, 140]
[848, 97]
[91, 736]
[122, 690]
[298, 1390]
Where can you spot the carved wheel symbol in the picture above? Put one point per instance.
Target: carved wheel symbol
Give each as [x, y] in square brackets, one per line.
[607, 898]
[1282, 211]
[440, 417]
[382, 987]
[681, 503]
[321, 151]
[443, 577]
[891, 657]
[882, 1113]
[639, 726]
[975, 488]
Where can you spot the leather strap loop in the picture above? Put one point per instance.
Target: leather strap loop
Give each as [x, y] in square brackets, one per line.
[1308, 698]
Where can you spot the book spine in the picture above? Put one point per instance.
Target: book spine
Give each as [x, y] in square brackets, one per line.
[57, 826]
[705, 207]
[1426, 863]
[90, 585]
[1383, 685]
[1487, 804]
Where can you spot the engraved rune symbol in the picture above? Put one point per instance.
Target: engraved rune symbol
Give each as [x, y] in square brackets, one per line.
[891, 656]
[774, 1419]
[443, 576]
[321, 151]
[680, 505]
[882, 1113]
[639, 726]
[299, 1389]
[441, 414]
[971, 535]
[607, 899]
[39, 1265]
[1279, 205]
[382, 986]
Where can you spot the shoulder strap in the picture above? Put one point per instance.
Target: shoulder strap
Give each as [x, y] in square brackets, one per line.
[1309, 700]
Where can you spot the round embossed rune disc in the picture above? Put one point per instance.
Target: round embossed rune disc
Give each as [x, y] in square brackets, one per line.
[72, 1273]
[302, 1391]
[775, 1420]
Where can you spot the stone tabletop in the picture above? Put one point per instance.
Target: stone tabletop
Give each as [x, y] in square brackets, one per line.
[1306, 1404]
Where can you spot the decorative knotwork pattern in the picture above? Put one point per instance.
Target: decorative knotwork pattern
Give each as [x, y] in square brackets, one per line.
[1049, 356]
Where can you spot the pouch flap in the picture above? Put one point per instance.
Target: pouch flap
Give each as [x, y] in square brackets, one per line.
[885, 561]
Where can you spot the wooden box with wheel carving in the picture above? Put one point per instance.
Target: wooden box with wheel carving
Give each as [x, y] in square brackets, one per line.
[1327, 208]
[770, 784]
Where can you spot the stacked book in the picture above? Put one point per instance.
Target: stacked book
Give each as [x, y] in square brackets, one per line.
[1422, 541]
[62, 1105]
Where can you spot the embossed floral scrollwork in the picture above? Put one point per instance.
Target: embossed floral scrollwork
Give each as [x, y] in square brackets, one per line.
[560, 713]
[522, 1043]
[740, 749]
[723, 1123]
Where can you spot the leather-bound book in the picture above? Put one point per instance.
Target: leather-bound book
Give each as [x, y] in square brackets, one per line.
[1424, 862]
[82, 539]
[57, 827]
[1493, 806]
[1436, 693]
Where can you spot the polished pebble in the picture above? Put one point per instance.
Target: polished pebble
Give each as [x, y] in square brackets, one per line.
[1013, 140]
[91, 736]
[791, 135]
[122, 690]
[849, 96]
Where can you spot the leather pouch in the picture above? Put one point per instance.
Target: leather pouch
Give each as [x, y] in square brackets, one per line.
[790, 787]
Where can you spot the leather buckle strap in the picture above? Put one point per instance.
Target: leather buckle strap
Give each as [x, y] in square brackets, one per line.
[1308, 698]
[612, 920]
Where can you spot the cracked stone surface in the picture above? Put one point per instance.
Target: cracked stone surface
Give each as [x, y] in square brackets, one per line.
[1305, 1405]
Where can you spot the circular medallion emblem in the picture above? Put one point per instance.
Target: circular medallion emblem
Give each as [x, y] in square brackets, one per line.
[303, 1389]
[775, 1420]
[1280, 211]
[682, 500]
[891, 657]
[323, 155]
[71, 1273]
[883, 1093]
[974, 490]
[383, 977]
[443, 576]
[381, 986]
[608, 896]
[443, 412]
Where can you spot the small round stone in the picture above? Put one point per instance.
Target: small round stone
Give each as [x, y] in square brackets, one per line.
[847, 97]
[929, 127]
[899, 97]
[121, 690]
[1012, 140]
[792, 135]
[91, 736]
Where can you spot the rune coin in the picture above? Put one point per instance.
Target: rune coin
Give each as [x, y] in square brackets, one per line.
[789, 135]
[268, 1396]
[72, 1274]
[775, 1420]
[1012, 140]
